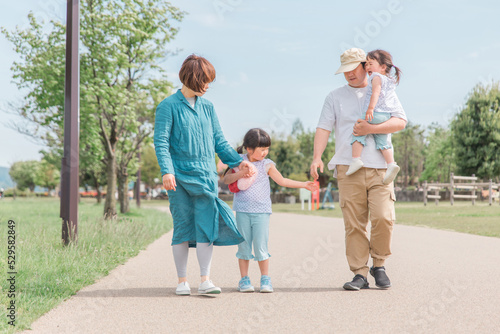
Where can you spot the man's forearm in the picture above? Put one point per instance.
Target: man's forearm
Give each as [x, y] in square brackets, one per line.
[394, 124]
[320, 142]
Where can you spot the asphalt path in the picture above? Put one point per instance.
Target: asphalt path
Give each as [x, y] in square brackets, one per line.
[442, 282]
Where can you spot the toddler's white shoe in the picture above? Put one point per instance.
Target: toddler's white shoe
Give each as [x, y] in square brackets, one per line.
[354, 166]
[183, 289]
[208, 287]
[390, 174]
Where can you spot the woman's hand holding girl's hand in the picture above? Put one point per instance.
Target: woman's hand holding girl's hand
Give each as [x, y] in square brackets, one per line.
[169, 182]
[245, 168]
[311, 186]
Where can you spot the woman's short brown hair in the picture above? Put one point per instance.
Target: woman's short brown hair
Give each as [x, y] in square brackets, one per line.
[196, 72]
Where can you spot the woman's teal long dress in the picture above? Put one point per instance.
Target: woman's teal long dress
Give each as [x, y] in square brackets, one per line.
[186, 140]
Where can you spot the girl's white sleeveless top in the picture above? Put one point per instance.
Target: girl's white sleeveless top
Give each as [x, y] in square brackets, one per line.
[257, 198]
[388, 101]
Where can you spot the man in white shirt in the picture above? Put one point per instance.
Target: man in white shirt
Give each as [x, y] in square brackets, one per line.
[363, 196]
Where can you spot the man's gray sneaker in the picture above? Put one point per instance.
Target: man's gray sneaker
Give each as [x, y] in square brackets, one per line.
[381, 279]
[357, 283]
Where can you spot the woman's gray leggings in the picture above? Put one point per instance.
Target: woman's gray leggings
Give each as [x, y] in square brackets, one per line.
[203, 252]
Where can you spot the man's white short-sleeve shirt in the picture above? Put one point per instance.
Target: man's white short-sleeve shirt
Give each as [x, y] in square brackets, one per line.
[342, 108]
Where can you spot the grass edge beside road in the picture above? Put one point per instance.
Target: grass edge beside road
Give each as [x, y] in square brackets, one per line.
[47, 272]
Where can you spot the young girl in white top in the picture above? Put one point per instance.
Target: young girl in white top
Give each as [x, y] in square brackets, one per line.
[381, 101]
[253, 207]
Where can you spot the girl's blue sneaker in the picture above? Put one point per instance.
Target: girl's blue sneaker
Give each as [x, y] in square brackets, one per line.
[265, 284]
[244, 285]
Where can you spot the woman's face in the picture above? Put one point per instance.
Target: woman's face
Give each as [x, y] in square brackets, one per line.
[204, 90]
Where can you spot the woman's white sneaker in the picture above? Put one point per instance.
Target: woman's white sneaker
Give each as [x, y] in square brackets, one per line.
[183, 289]
[208, 287]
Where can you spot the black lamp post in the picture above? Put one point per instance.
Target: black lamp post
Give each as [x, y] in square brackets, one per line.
[70, 160]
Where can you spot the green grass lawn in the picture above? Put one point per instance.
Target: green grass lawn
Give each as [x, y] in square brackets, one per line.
[480, 219]
[47, 272]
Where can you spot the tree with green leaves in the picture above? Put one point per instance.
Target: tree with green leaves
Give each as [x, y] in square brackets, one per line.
[475, 132]
[150, 170]
[409, 153]
[24, 174]
[47, 175]
[293, 154]
[122, 45]
[439, 155]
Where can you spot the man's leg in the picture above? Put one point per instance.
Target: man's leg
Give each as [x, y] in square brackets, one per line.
[353, 202]
[382, 216]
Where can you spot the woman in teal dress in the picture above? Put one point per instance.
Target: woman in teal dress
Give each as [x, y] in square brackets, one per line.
[187, 135]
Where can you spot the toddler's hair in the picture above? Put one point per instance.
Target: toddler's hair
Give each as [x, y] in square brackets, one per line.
[384, 58]
[196, 72]
[255, 138]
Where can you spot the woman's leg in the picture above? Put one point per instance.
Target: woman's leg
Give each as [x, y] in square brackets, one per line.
[204, 253]
[181, 252]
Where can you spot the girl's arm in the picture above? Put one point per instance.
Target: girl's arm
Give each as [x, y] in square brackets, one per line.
[376, 88]
[233, 177]
[284, 182]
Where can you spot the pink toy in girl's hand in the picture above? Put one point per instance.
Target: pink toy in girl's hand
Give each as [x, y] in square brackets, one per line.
[245, 182]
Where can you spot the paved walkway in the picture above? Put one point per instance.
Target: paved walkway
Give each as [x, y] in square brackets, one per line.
[443, 282]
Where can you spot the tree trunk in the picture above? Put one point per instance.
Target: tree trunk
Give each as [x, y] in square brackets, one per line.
[110, 204]
[98, 189]
[123, 190]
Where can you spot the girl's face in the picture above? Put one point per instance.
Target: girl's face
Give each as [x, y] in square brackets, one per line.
[373, 66]
[257, 154]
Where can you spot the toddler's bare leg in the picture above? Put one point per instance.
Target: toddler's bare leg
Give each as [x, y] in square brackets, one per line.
[388, 155]
[357, 148]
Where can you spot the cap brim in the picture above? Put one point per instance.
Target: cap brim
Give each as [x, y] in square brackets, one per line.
[347, 67]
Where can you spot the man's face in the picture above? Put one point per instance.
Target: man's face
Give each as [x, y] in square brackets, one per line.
[357, 77]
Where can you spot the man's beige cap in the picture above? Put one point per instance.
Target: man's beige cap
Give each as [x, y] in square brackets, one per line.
[351, 59]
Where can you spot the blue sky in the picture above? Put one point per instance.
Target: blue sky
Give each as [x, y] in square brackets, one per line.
[276, 60]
